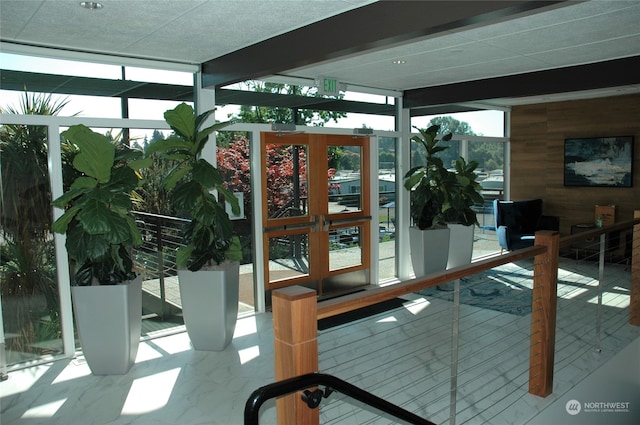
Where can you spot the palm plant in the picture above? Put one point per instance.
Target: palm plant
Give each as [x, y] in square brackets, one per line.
[27, 266]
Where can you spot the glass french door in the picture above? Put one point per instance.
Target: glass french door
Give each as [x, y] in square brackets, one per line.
[316, 212]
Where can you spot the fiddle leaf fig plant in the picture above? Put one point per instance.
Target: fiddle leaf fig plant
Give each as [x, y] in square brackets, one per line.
[439, 196]
[467, 194]
[97, 220]
[208, 238]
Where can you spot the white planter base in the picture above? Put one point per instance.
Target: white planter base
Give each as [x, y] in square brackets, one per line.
[429, 250]
[210, 306]
[460, 245]
[109, 319]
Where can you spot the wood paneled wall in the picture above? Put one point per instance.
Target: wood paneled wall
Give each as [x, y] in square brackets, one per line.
[537, 155]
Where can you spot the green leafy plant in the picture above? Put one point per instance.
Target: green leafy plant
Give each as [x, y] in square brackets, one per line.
[97, 220]
[208, 237]
[439, 196]
[466, 195]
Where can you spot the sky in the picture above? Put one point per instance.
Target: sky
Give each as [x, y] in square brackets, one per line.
[488, 123]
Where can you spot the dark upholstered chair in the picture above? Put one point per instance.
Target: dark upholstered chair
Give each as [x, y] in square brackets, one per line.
[518, 221]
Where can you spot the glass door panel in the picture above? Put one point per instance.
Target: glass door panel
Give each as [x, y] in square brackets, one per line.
[345, 247]
[345, 183]
[286, 174]
[288, 257]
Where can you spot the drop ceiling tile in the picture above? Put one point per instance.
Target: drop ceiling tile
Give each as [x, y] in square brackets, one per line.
[575, 33]
[594, 52]
[10, 27]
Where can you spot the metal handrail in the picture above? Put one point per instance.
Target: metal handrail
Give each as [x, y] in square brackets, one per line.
[313, 398]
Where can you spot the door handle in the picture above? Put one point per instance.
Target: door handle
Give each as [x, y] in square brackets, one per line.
[345, 220]
[293, 226]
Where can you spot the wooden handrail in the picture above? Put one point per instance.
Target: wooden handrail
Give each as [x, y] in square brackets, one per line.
[571, 239]
[377, 295]
[344, 304]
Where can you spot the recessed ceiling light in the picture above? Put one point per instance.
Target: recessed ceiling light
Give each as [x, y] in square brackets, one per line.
[399, 62]
[91, 5]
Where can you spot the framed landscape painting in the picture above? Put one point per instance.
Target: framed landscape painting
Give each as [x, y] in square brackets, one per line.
[599, 161]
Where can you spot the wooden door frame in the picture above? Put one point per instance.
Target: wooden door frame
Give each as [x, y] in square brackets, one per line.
[317, 215]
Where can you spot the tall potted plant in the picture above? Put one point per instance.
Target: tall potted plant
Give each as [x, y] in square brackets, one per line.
[208, 263]
[430, 186]
[101, 231]
[441, 207]
[460, 215]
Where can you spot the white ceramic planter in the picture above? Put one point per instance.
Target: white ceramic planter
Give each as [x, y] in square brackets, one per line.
[210, 306]
[429, 250]
[109, 318]
[460, 245]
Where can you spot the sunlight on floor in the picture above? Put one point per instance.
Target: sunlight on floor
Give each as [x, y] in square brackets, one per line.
[71, 372]
[245, 326]
[417, 305]
[22, 385]
[146, 353]
[173, 344]
[568, 292]
[248, 354]
[44, 410]
[612, 299]
[150, 393]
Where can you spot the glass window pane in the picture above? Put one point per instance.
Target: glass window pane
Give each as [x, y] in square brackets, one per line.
[233, 159]
[490, 158]
[28, 276]
[387, 207]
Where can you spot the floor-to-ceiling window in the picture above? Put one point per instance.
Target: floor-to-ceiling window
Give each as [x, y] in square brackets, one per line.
[387, 207]
[31, 293]
[28, 278]
[477, 136]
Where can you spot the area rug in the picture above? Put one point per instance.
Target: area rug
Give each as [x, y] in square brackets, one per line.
[506, 289]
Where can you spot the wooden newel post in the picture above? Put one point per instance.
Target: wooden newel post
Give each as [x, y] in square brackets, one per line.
[634, 306]
[543, 314]
[295, 330]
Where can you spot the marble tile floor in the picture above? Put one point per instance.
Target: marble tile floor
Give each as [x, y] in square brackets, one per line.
[402, 355]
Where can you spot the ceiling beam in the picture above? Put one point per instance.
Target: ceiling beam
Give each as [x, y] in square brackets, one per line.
[619, 72]
[378, 25]
[88, 86]
[72, 85]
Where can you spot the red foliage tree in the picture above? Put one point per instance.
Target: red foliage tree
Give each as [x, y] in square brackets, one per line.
[234, 167]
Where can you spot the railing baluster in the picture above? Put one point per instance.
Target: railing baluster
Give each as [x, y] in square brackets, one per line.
[160, 240]
[634, 306]
[601, 259]
[455, 337]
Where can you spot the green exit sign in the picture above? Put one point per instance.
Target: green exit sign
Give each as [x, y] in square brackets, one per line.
[329, 86]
